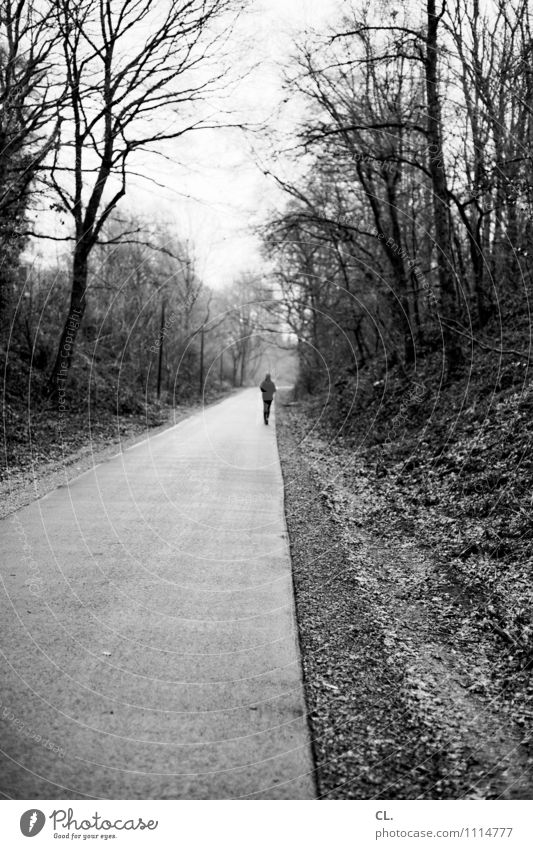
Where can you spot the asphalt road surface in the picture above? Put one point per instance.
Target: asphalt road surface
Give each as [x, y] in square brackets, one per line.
[149, 643]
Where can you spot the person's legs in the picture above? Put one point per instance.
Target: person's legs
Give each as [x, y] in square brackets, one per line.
[267, 410]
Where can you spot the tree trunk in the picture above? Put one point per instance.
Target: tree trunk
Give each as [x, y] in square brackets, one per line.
[392, 246]
[358, 342]
[484, 303]
[60, 372]
[417, 321]
[161, 344]
[201, 381]
[243, 364]
[441, 211]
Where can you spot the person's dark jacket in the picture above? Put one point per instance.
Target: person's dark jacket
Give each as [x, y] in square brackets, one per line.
[268, 389]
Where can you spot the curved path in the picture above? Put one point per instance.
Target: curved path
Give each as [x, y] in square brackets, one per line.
[149, 644]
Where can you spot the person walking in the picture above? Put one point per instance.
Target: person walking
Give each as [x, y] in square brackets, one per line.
[268, 389]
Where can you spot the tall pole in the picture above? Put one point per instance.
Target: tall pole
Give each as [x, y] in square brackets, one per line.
[161, 339]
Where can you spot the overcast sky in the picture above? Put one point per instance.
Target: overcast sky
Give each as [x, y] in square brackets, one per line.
[218, 191]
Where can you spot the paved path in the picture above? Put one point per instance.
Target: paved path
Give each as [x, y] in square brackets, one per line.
[148, 625]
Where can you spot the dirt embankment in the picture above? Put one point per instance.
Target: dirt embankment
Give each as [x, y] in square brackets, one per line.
[411, 693]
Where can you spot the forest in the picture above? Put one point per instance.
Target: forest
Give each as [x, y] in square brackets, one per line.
[105, 316]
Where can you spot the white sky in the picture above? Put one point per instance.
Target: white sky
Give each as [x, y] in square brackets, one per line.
[227, 192]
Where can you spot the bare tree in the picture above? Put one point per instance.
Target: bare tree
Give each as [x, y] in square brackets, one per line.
[379, 121]
[134, 69]
[29, 102]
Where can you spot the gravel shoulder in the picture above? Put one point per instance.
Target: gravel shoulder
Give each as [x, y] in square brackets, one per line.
[408, 693]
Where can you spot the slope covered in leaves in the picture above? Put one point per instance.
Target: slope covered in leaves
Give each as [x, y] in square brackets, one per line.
[452, 467]
[426, 491]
